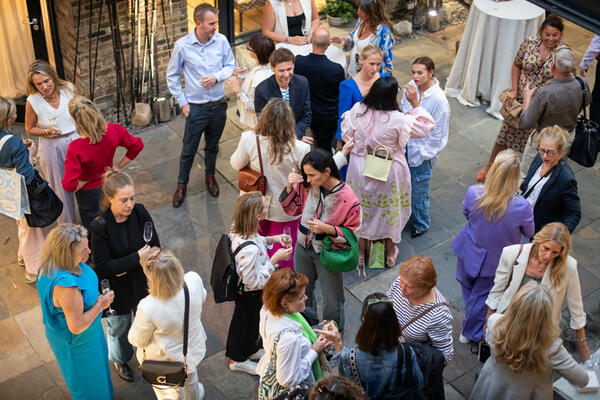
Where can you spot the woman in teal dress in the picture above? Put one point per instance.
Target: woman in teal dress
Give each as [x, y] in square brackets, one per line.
[72, 307]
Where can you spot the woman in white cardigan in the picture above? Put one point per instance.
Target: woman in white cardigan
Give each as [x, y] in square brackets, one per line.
[546, 260]
[157, 330]
[281, 152]
[290, 21]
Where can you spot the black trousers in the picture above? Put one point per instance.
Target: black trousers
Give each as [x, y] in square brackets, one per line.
[324, 130]
[243, 338]
[595, 104]
[88, 202]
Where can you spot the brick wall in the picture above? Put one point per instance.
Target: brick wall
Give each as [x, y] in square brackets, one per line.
[105, 86]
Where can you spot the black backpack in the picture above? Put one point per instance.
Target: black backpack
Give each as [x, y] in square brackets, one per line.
[406, 384]
[224, 280]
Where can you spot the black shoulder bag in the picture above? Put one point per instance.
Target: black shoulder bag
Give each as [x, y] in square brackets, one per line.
[584, 149]
[169, 373]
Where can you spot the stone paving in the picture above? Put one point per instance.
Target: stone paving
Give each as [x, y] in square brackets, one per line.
[192, 231]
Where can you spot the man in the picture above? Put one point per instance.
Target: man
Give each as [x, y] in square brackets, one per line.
[557, 102]
[593, 52]
[206, 60]
[284, 84]
[324, 77]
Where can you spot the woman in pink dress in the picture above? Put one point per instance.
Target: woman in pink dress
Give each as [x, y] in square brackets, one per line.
[377, 121]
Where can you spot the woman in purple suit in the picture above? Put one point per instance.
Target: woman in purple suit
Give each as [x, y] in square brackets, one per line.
[496, 218]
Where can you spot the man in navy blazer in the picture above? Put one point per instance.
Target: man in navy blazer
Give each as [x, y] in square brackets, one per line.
[284, 84]
[558, 200]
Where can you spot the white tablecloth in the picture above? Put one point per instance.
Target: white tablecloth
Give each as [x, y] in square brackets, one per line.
[334, 53]
[493, 34]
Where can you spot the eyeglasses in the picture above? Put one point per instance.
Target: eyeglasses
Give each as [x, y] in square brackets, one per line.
[549, 153]
[376, 300]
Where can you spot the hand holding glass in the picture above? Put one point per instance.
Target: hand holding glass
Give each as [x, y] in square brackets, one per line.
[287, 239]
[105, 285]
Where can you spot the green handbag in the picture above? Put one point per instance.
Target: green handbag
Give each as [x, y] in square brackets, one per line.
[342, 260]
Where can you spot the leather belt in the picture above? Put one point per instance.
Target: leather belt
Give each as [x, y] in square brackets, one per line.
[211, 103]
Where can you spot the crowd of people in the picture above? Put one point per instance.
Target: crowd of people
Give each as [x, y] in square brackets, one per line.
[347, 166]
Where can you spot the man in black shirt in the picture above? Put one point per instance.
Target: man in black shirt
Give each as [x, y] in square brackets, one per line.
[324, 77]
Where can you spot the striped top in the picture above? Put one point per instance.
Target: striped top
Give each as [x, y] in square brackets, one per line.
[435, 326]
[285, 94]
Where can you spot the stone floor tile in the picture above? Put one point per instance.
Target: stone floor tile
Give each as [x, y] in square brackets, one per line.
[379, 283]
[238, 386]
[17, 295]
[32, 384]
[175, 226]
[148, 191]
[16, 353]
[216, 316]
[214, 215]
[464, 384]
[226, 149]
[9, 243]
[4, 313]
[30, 322]
[451, 393]
[160, 144]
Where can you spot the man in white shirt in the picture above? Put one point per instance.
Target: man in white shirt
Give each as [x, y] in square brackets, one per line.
[593, 52]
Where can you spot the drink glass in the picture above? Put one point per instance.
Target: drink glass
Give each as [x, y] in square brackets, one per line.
[105, 285]
[241, 64]
[147, 232]
[288, 240]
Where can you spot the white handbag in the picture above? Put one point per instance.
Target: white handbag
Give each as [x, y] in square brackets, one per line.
[14, 201]
[376, 167]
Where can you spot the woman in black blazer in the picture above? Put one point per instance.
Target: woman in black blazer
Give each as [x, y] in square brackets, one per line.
[550, 185]
[117, 241]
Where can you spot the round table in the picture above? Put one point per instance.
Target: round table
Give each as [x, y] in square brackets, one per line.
[491, 39]
[334, 53]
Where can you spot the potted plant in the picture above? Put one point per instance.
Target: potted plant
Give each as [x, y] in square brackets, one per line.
[338, 12]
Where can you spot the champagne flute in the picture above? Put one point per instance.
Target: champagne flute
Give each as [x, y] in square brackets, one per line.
[241, 64]
[148, 232]
[288, 239]
[105, 285]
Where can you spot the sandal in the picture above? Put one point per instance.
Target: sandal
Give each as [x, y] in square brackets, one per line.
[390, 261]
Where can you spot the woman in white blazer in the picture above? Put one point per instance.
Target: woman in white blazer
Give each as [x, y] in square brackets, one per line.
[281, 153]
[157, 330]
[546, 260]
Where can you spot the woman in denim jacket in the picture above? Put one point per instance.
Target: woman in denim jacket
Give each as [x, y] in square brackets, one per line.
[376, 353]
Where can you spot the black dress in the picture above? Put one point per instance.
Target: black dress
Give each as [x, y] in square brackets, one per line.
[295, 25]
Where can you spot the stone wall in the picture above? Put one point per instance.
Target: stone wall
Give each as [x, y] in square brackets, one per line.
[105, 85]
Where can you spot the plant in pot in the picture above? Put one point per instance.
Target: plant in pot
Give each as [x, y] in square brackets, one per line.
[338, 12]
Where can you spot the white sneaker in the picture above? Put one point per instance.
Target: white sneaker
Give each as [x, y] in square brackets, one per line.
[247, 366]
[258, 355]
[201, 392]
[464, 339]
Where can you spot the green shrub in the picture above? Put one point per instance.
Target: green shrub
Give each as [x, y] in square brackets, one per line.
[339, 8]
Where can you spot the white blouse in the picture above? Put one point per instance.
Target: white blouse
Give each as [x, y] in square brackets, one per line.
[253, 264]
[50, 117]
[245, 102]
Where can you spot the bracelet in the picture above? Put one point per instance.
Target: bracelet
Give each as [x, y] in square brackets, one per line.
[46, 132]
[287, 39]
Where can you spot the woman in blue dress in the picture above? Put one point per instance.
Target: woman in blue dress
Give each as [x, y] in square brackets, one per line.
[72, 307]
[353, 89]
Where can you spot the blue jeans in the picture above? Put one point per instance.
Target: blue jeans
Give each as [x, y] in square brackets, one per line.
[119, 348]
[419, 180]
[209, 120]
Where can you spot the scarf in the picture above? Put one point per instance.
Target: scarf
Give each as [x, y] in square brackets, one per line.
[308, 333]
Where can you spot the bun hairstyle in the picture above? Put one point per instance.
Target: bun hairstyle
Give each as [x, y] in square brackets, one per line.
[90, 122]
[370, 49]
[556, 135]
[114, 180]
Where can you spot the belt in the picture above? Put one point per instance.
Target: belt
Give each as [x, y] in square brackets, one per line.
[211, 103]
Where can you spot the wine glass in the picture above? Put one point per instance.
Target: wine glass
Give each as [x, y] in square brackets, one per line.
[148, 232]
[305, 31]
[288, 239]
[241, 64]
[105, 285]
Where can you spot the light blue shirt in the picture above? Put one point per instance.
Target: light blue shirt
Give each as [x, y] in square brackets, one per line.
[197, 60]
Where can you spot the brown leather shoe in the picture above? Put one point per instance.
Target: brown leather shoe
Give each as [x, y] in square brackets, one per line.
[179, 195]
[213, 187]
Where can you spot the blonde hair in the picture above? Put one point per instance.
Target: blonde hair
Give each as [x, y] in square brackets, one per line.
[90, 122]
[524, 334]
[41, 67]
[247, 208]
[370, 49]
[558, 233]
[62, 248]
[276, 122]
[500, 186]
[114, 180]
[163, 272]
[7, 110]
[556, 135]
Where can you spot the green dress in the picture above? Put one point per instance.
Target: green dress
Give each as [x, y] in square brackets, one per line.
[82, 358]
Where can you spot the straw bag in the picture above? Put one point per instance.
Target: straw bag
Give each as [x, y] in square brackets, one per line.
[250, 180]
[376, 167]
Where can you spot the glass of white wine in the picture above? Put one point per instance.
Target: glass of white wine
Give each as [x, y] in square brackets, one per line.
[105, 285]
[288, 239]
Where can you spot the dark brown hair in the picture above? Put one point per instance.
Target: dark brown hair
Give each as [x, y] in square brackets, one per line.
[276, 122]
[281, 55]
[375, 9]
[284, 284]
[263, 47]
[554, 21]
[379, 329]
[427, 62]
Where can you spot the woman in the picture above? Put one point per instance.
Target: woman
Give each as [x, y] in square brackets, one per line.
[292, 348]
[15, 154]
[90, 156]
[157, 330]
[546, 259]
[254, 267]
[290, 21]
[47, 116]
[376, 355]
[526, 350]
[260, 49]
[72, 307]
[550, 186]
[326, 204]
[337, 388]
[496, 218]
[377, 121]
[281, 152]
[373, 27]
[425, 320]
[118, 245]
[422, 153]
[532, 65]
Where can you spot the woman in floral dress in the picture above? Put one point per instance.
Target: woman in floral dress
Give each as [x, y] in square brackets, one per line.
[373, 122]
[533, 64]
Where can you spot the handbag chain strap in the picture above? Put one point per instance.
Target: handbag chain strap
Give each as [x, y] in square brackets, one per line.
[259, 156]
[353, 366]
